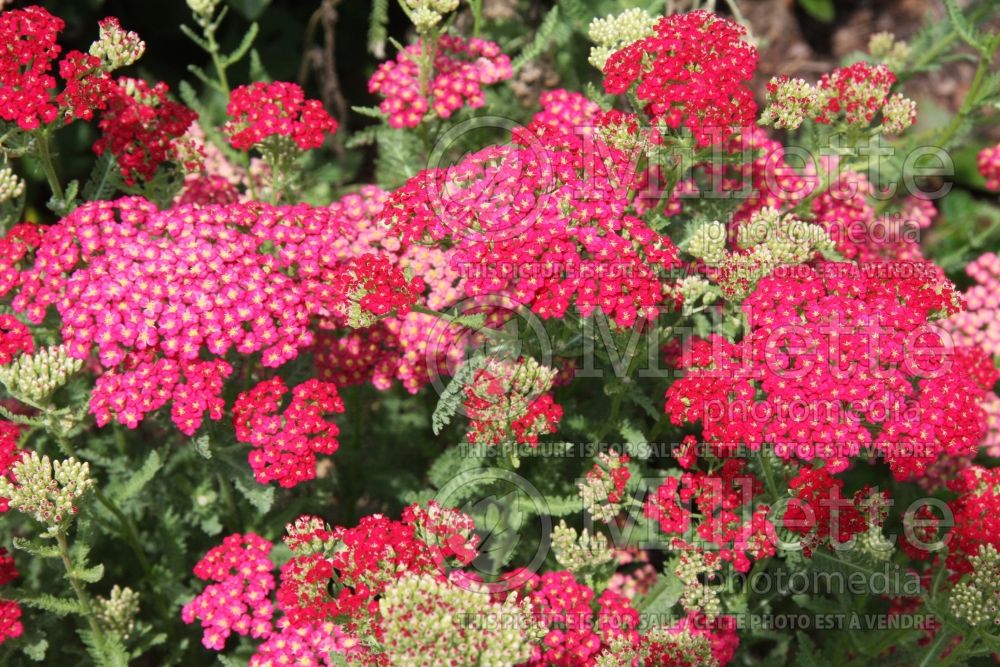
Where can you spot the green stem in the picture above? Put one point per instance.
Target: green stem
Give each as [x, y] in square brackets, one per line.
[226, 490]
[81, 593]
[985, 61]
[44, 154]
[128, 531]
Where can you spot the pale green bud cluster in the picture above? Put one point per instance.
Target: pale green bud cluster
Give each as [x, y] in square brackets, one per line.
[203, 9]
[787, 239]
[116, 47]
[790, 102]
[708, 243]
[117, 613]
[977, 599]
[892, 53]
[430, 622]
[426, 14]
[11, 185]
[697, 572]
[579, 553]
[34, 378]
[770, 240]
[693, 288]
[898, 113]
[597, 492]
[45, 490]
[613, 32]
[695, 649]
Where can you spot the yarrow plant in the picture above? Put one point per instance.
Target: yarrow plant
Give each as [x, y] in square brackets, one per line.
[619, 358]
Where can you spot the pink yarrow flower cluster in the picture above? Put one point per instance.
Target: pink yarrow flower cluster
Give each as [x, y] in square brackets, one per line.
[262, 110]
[239, 600]
[164, 295]
[989, 166]
[979, 323]
[461, 68]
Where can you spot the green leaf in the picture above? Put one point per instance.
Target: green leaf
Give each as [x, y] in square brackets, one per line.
[91, 575]
[103, 178]
[37, 549]
[452, 395]
[451, 463]
[251, 9]
[399, 157]
[237, 470]
[378, 23]
[257, 70]
[807, 654]
[107, 653]
[203, 445]
[658, 602]
[370, 112]
[36, 651]
[499, 519]
[541, 42]
[821, 10]
[244, 46]
[139, 478]
[52, 604]
[557, 505]
[962, 26]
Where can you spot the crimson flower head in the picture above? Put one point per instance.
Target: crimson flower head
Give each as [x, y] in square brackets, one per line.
[262, 110]
[26, 82]
[142, 127]
[690, 73]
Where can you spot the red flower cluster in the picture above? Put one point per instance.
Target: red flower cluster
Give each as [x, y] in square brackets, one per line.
[738, 530]
[88, 87]
[819, 512]
[858, 91]
[507, 401]
[286, 443]
[141, 128]
[26, 83]
[975, 517]
[10, 610]
[833, 355]
[363, 560]
[239, 601]
[15, 338]
[262, 110]
[374, 287]
[543, 223]
[564, 606]
[10, 453]
[690, 73]
[461, 68]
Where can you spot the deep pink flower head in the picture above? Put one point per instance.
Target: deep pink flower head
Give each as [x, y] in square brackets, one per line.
[261, 110]
[461, 68]
[238, 600]
[989, 166]
[690, 73]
